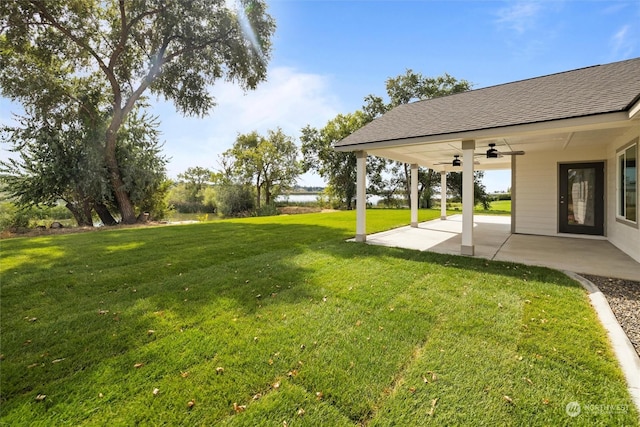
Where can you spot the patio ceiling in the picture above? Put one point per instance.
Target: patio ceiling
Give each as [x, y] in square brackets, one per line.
[438, 154]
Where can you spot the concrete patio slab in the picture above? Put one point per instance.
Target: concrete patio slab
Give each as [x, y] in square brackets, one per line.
[493, 240]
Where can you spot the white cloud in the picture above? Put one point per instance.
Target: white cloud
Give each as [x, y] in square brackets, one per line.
[520, 16]
[622, 43]
[289, 100]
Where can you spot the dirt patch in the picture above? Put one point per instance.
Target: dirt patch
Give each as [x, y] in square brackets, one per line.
[292, 210]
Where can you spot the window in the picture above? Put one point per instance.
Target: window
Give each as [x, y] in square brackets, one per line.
[628, 182]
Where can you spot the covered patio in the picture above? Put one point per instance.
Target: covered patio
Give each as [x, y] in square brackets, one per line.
[494, 241]
[571, 141]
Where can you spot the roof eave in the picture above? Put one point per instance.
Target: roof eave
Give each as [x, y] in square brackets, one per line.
[593, 122]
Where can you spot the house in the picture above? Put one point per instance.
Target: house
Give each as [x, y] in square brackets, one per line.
[571, 141]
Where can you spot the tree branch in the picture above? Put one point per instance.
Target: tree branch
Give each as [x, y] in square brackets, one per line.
[44, 13]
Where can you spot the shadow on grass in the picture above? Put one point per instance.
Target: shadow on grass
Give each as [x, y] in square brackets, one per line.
[95, 296]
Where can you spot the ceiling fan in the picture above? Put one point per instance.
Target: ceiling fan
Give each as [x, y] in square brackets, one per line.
[456, 161]
[493, 153]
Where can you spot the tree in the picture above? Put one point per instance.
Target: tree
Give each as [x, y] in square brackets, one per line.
[269, 163]
[195, 179]
[404, 89]
[60, 158]
[454, 184]
[338, 168]
[174, 49]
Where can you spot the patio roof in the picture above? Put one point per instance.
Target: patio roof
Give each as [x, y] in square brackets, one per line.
[578, 107]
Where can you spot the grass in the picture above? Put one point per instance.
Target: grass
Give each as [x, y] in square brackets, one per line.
[263, 321]
[498, 207]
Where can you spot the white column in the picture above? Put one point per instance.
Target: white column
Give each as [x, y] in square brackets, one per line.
[467, 197]
[361, 196]
[443, 194]
[414, 195]
[513, 194]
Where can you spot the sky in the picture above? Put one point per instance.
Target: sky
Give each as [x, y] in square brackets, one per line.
[328, 55]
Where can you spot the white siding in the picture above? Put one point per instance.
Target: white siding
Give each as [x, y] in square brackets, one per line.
[537, 187]
[624, 236]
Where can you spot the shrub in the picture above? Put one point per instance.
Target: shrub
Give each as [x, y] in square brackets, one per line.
[234, 200]
[267, 210]
[12, 218]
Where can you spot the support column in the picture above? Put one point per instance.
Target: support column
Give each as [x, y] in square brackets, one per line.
[443, 195]
[361, 196]
[467, 197]
[513, 194]
[414, 195]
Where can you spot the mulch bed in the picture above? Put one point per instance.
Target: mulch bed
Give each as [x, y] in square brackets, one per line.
[623, 297]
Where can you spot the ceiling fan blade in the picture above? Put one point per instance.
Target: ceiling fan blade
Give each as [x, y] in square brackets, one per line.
[512, 153]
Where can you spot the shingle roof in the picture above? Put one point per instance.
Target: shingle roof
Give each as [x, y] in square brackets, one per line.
[583, 92]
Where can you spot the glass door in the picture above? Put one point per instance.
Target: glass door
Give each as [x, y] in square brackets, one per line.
[581, 204]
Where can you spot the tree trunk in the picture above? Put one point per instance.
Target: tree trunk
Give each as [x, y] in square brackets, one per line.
[82, 214]
[104, 214]
[125, 206]
[258, 196]
[407, 181]
[267, 194]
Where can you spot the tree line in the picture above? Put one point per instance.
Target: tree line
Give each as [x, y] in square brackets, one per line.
[84, 74]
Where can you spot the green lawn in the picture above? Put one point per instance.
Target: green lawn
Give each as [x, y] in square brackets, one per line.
[279, 321]
[498, 207]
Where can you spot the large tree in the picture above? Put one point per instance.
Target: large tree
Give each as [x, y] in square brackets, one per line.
[403, 89]
[269, 163]
[59, 157]
[338, 168]
[175, 49]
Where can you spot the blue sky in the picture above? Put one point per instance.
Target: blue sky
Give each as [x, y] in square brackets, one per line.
[328, 55]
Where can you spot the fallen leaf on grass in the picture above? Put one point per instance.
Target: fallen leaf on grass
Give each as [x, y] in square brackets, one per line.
[412, 390]
[219, 370]
[434, 402]
[239, 408]
[41, 397]
[191, 403]
[151, 332]
[508, 399]
[431, 377]
[257, 396]
[319, 395]
[545, 401]
[292, 373]
[100, 395]
[300, 412]
[33, 365]
[156, 391]
[276, 385]
[103, 311]
[528, 380]
[58, 360]
[184, 374]
[138, 365]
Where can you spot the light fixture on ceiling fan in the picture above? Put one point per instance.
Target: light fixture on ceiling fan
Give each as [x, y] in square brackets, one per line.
[456, 162]
[493, 153]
